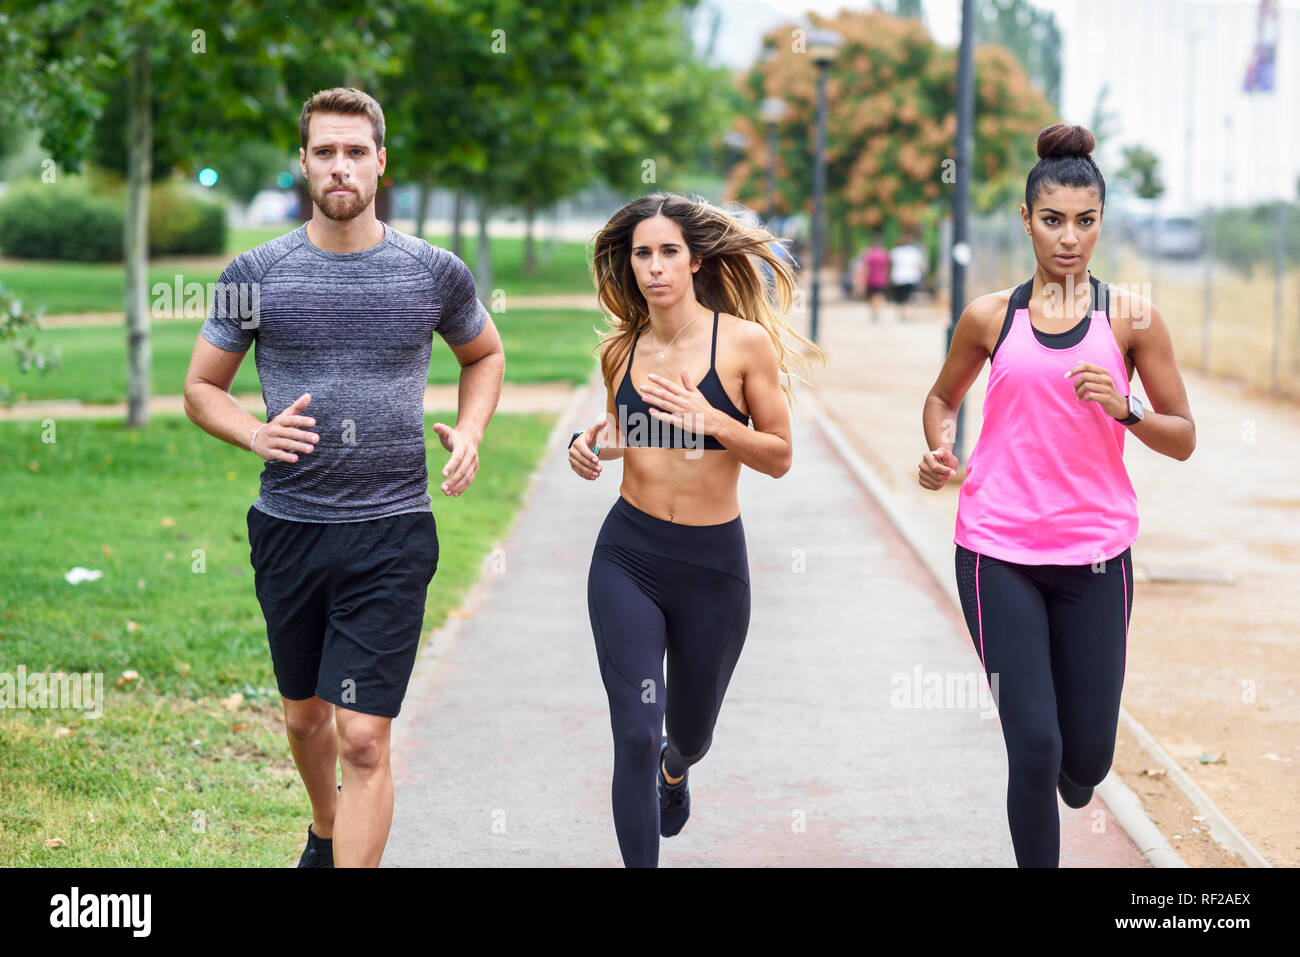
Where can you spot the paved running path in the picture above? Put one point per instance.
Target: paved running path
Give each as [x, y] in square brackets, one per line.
[502, 754]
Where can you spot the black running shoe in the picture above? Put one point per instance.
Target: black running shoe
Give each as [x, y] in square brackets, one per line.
[319, 851]
[674, 799]
[1072, 794]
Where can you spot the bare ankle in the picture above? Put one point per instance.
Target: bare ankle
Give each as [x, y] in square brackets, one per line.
[324, 831]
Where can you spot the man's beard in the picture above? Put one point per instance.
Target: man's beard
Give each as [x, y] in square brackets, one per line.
[341, 207]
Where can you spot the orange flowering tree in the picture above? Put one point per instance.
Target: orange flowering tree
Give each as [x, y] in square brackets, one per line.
[891, 126]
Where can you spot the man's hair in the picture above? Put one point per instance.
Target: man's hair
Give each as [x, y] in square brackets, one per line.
[344, 99]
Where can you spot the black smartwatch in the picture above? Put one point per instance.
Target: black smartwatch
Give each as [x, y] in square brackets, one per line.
[1134, 411]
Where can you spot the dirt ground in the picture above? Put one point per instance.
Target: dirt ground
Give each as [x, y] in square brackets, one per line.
[1212, 667]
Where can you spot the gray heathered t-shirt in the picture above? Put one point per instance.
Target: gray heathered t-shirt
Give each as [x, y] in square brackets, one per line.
[355, 330]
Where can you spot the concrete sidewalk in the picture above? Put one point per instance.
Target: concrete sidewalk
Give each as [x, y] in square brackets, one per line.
[502, 755]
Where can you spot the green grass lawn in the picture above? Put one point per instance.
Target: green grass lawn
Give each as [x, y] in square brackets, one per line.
[541, 345]
[237, 240]
[98, 287]
[168, 776]
[566, 273]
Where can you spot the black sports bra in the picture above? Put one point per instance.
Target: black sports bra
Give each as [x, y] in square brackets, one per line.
[1054, 340]
[645, 431]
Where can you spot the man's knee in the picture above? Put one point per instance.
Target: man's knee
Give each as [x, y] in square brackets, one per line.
[363, 739]
[305, 719]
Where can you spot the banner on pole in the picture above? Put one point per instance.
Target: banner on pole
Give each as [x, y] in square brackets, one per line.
[1260, 70]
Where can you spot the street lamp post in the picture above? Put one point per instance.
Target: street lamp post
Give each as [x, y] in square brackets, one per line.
[771, 111]
[961, 251]
[822, 45]
[734, 144]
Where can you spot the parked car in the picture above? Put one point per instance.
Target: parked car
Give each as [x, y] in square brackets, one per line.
[1178, 237]
[272, 207]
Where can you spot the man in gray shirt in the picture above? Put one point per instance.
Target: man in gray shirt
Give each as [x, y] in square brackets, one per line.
[342, 536]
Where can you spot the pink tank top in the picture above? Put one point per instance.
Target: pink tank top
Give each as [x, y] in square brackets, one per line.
[877, 267]
[1046, 482]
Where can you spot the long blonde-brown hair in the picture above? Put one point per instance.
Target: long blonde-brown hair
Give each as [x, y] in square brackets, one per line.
[729, 279]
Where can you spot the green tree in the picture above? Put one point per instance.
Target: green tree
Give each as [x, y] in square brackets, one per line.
[1104, 121]
[19, 326]
[221, 77]
[246, 167]
[1141, 170]
[891, 94]
[534, 106]
[1030, 35]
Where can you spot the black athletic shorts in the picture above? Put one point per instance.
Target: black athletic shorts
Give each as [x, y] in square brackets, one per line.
[344, 604]
[903, 291]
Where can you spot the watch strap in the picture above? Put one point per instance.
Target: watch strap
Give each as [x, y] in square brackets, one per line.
[1132, 418]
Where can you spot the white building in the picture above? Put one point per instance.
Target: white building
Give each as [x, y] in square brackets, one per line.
[1176, 71]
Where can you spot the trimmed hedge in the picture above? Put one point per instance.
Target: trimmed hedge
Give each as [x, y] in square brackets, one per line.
[81, 220]
[180, 224]
[60, 221]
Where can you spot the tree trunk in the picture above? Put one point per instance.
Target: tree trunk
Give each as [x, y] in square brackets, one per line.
[548, 248]
[529, 215]
[135, 237]
[457, 210]
[483, 256]
[422, 203]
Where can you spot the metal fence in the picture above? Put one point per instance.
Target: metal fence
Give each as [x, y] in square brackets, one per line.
[1226, 282]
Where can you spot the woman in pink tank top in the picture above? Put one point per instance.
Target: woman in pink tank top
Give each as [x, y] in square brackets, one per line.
[875, 262]
[1046, 514]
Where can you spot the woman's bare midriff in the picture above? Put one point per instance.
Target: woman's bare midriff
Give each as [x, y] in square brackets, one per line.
[683, 486]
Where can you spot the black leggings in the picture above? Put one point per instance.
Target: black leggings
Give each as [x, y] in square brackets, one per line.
[1054, 637]
[657, 586]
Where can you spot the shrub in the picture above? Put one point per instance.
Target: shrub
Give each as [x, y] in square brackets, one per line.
[1247, 236]
[63, 220]
[181, 224]
[80, 218]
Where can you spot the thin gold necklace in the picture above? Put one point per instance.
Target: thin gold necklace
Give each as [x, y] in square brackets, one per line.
[674, 338]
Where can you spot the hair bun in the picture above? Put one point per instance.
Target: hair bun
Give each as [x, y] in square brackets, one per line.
[1064, 139]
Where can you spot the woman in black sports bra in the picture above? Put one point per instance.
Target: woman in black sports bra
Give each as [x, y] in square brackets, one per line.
[649, 431]
[669, 572]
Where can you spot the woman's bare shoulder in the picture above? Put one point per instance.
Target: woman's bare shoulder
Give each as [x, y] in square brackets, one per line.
[987, 313]
[745, 337]
[992, 307]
